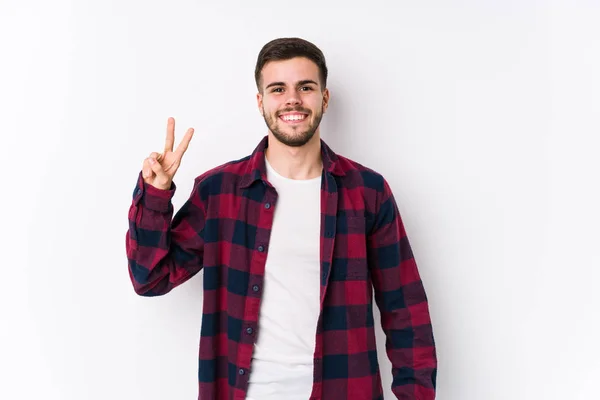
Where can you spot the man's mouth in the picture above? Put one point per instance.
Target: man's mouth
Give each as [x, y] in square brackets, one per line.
[293, 118]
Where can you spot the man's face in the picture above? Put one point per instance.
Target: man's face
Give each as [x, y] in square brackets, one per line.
[292, 100]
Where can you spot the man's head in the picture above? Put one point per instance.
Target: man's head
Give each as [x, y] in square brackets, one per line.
[291, 78]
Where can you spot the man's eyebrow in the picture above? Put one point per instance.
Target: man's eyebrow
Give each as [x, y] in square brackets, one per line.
[300, 83]
[307, 81]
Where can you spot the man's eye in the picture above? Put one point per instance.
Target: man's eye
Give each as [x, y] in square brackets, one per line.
[306, 87]
[277, 89]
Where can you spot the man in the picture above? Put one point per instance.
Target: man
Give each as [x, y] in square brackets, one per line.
[293, 241]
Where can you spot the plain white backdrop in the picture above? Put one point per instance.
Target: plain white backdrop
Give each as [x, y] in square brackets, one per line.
[483, 115]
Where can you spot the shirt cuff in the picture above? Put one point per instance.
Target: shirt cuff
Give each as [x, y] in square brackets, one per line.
[153, 198]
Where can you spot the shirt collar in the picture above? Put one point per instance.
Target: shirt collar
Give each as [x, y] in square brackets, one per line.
[257, 169]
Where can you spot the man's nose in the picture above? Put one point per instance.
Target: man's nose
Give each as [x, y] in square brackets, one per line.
[293, 99]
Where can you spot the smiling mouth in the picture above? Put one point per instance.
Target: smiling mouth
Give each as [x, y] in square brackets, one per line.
[293, 118]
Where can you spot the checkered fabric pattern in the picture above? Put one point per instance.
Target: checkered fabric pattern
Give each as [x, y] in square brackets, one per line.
[223, 228]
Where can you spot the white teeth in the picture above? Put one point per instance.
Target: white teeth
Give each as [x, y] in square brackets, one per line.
[293, 117]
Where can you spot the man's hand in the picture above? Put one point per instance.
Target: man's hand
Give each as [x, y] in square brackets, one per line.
[159, 168]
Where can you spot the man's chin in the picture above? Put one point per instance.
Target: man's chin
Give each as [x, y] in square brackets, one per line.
[293, 139]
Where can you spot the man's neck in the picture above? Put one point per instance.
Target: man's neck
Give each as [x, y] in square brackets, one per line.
[296, 162]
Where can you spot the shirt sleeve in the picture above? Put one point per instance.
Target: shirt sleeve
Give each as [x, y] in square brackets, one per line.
[163, 251]
[403, 305]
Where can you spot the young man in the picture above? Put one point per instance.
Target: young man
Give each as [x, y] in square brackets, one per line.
[293, 240]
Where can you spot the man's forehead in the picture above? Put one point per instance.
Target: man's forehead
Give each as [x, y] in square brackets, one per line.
[289, 76]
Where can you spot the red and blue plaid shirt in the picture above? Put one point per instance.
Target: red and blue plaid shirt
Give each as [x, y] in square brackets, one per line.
[224, 228]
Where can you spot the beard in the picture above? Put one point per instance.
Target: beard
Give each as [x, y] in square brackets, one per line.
[290, 135]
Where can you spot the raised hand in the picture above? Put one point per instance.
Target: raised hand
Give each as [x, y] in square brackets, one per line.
[159, 168]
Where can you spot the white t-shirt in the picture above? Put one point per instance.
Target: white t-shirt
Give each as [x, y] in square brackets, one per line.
[282, 365]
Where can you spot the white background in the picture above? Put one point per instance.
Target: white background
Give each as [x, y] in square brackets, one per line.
[482, 115]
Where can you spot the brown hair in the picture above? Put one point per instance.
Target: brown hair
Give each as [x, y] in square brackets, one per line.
[287, 48]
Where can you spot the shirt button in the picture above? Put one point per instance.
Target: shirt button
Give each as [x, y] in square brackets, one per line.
[138, 191]
[261, 248]
[255, 288]
[249, 331]
[268, 205]
[241, 371]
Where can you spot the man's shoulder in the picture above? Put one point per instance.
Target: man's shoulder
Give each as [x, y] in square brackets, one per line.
[357, 173]
[230, 171]
[236, 166]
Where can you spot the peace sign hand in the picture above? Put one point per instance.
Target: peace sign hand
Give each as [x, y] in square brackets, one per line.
[159, 168]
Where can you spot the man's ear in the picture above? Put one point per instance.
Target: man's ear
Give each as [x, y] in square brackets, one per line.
[259, 103]
[325, 99]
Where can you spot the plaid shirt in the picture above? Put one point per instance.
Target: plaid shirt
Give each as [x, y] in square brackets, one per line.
[223, 228]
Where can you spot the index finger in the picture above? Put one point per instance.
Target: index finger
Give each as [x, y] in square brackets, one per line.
[184, 142]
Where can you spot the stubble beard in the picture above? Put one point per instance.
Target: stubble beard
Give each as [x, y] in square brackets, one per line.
[297, 138]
